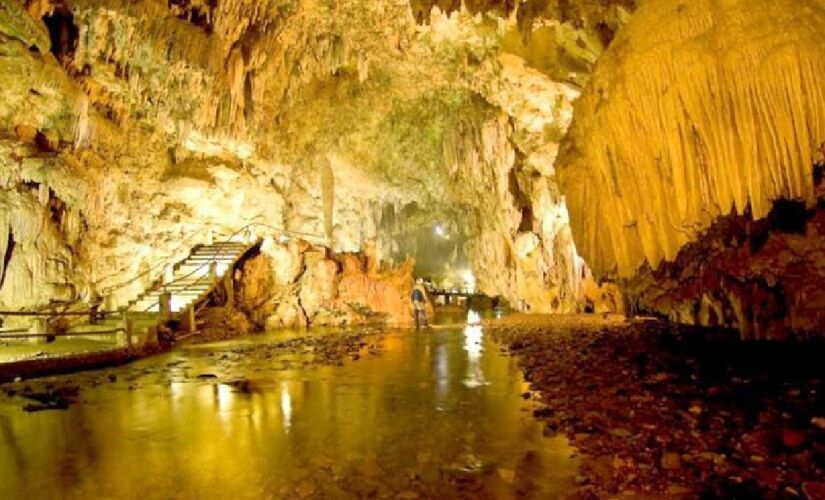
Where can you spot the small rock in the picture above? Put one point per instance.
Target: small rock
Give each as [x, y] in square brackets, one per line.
[581, 436]
[794, 438]
[675, 489]
[671, 461]
[542, 412]
[305, 488]
[204, 376]
[507, 475]
[814, 490]
[621, 433]
[818, 422]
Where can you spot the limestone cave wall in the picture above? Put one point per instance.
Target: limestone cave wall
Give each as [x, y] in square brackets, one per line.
[689, 142]
[128, 127]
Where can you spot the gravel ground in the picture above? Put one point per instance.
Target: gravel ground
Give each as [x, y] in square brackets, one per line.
[658, 410]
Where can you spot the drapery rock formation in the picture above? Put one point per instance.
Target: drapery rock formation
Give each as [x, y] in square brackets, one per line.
[137, 125]
[690, 121]
[716, 113]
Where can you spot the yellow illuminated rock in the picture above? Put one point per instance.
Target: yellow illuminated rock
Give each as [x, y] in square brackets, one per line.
[135, 125]
[717, 109]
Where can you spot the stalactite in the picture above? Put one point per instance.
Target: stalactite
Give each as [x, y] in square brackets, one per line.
[719, 108]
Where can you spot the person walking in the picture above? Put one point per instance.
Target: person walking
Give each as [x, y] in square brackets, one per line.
[419, 300]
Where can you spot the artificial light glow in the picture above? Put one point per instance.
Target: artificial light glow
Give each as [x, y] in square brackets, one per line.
[439, 230]
[473, 345]
[469, 281]
[224, 397]
[473, 318]
[286, 406]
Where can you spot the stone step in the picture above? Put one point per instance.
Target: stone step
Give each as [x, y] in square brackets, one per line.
[186, 268]
[222, 246]
[188, 287]
[176, 296]
[218, 250]
[210, 257]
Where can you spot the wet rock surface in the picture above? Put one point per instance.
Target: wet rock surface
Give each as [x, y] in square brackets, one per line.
[658, 410]
[228, 365]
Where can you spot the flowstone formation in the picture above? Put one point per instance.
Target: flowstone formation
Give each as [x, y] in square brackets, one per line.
[717, 112]
[129, 127]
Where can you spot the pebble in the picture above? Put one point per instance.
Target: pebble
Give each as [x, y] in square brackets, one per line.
[507, 475]
[643, 390]
[671, 461]
[794, 438]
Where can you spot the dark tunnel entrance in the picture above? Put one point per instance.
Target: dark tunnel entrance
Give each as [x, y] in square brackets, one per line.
[63, 33]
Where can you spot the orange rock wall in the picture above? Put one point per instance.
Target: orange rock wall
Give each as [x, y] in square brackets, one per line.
[328, 290]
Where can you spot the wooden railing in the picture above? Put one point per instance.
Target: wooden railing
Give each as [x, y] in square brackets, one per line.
[95, 314]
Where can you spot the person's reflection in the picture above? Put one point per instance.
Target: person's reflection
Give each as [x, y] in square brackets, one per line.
[442, 375]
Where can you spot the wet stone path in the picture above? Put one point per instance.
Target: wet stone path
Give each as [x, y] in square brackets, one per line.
[375, 414]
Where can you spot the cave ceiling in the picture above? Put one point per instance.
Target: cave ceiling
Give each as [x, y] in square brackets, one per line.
[147, 120]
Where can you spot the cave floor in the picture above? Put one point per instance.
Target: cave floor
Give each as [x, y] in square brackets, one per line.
[358, 414]
[657, 410]
[522, 407]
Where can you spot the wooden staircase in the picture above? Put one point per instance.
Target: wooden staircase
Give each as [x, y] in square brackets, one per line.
[192, 279]
[175, 296]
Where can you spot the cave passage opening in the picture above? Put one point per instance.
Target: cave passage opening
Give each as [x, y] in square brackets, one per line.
[436, 239]
[63, 33]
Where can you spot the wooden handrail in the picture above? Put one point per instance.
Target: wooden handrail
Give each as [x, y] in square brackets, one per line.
[65, 334]
[49, 314]
[198, 269]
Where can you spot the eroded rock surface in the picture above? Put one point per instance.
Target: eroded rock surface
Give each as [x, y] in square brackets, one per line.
[141, 123]
[322, 289]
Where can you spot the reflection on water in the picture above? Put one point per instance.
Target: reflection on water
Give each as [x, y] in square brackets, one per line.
[472, 344]
[286, 405]
[438, 414]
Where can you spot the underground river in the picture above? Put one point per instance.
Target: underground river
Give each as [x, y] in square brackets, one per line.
[417, 415]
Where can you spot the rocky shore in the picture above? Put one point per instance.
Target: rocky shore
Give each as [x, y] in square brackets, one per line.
[658, 410]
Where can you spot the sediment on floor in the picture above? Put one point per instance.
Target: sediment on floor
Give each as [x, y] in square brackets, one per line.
[658, 409]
